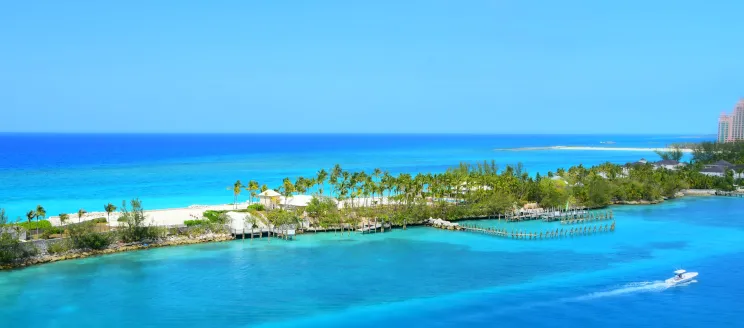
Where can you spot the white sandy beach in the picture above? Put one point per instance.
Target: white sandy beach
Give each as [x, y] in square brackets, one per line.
[177, 216]
[161, 217]
[639, 149]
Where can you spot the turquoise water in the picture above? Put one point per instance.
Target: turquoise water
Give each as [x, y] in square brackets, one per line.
[417, 277]
[66, 172]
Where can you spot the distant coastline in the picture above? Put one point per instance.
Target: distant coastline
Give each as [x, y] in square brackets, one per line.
[640, 149]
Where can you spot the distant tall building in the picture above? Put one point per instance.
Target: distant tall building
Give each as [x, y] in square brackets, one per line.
[731, 127]
[725, 125]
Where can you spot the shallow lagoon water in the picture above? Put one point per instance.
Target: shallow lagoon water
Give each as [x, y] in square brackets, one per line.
[417, 277]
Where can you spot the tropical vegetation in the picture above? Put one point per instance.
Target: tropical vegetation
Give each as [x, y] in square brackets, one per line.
[710, 152]
[93, 234]
[342, 199]
[484, 190]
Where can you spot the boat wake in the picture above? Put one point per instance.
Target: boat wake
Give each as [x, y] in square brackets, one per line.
[637, 287]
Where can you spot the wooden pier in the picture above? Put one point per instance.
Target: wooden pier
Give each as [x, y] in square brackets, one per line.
[287, 234]
[545, 234]
[588, 218]
[375, 228]
[583, 215]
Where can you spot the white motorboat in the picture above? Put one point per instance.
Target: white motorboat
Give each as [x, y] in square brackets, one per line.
[681, 276]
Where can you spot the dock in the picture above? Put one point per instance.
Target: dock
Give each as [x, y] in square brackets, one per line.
[552, 215]
[287, 234]
[537, 235]
[375, 228]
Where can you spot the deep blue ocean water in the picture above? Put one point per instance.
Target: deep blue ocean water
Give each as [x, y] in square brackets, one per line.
[420, 277]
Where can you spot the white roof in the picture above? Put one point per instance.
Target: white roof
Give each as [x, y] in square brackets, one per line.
[269, 193]
[298, 201]
[680, 271]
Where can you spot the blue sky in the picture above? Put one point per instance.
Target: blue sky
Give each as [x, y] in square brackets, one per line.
[369, 66]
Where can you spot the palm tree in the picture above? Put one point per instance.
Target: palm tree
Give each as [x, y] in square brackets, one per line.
[386, 183]
[30, 215]
[40, 212]
[301, 185]
[252, 221]
[109, 208]
[376, 176]
[236, 188]
[80, 214]
[253, 189]
[341, 194]
[333, 178]
[320, 179]
[368, 188]
[63, 217]
[287, 188]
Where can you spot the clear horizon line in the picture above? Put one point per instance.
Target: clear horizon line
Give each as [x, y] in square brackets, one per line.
[351, 133]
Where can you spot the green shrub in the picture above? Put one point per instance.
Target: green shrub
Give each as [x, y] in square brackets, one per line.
[257, 207]
[219, 217]
[157, 232]
[194, 223]
[11, 249]
[33, 225]
[83, 237]
[59, 247]
[135, 228]
[212, 215]
[46, 234]
[99, 220]
[197, 230]
[95, 241]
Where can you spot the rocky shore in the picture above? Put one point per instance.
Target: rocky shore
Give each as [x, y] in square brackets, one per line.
[442, 224]
[117, 248]
[638, 202]
[679, 194]
[699, 192]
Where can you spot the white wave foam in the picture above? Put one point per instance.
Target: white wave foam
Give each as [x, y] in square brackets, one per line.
[636, 287]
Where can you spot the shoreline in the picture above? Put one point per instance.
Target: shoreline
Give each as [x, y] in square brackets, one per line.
[119, 248]
[638, 149]
[209, 238]
[177, 215]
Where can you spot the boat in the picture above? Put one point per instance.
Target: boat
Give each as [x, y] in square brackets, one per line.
[681, 276]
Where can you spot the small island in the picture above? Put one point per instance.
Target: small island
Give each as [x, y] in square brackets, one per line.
[345, 202]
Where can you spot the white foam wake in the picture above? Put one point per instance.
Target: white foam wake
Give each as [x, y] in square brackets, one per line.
[638, 287]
